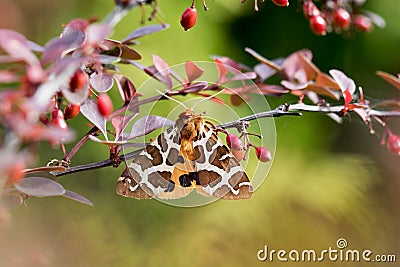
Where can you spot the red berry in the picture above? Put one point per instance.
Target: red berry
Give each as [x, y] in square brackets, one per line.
[281, 2]
[393, 144]
[57, 119]
[341, 19]
[233, 142]
[78, 81]
[362, 23]
[310, 9]
[189, 18]
[263, 154]
[318, 25]
[104, 105]
[238, 153]
[71, 111]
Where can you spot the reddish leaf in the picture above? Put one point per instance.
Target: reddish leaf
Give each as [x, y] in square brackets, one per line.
[106, 142]
[125, 87]
[70, 40]
[273, 89]
[144, 31]
[148, 124]
[61, 75]
[11, 201]
[120, 123]
[324, 80]
[46, 169]
[77, 197]
[294, 86]
[129, 53]
[263, 71]
[375, 18]
[344, 82]
[96, 33]
[222, 71]
[16, 45]
[193, 71]
[90, 111]
[163, 69]
[40, 187]
[393, 80]
[152, 71]
[262, 59]
[101, 81]
[323, 90]
[306, 64]
[231, 63]
[214, 98]
[196, 87]
[244, 76]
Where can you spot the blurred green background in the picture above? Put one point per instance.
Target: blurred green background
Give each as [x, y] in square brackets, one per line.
[327, 182]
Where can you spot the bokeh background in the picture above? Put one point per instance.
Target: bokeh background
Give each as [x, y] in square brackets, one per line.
[327, 181]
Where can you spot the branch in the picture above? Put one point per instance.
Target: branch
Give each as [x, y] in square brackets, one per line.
[282, 110]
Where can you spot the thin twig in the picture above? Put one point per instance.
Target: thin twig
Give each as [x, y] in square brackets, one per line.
[282, 110]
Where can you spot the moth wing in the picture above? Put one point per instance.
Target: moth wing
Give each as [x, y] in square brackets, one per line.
[220, 173]
[153, 172]
[126, 186]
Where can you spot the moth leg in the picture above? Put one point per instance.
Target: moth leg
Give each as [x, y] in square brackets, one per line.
[170, 187]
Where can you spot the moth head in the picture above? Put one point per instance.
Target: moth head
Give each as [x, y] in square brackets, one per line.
[186, 115]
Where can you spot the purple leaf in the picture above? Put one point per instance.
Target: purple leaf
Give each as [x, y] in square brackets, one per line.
[148, 124]
[193, 71]
[120, 123]
[46, 169]
[77, 197]
[35, 47]
[125, 87]
[129, 53]
[107, 143]
[152, 71]
[40, 187]
[145, 31]
[107, 59]
[393, 80]
[244, 76]
[294, 86]
[11, 201]
[59, 78]
[90, 111]
[344, 82]
[163, 69]
[101, 81]
[71, 39]
[230, 63]
[263, 60]
[17, 46]
[376, 19]
[97, 32]
[263, 71]
[196, 87]
[222, 71]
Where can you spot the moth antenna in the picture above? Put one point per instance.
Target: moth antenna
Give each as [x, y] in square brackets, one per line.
[171, 98]
[207, 98]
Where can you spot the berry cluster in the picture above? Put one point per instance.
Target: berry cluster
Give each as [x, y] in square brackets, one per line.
[189, 16]
[236, 146]
[339, 16]
[78, 82]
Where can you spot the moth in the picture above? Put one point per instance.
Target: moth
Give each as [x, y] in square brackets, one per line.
[188, 156]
